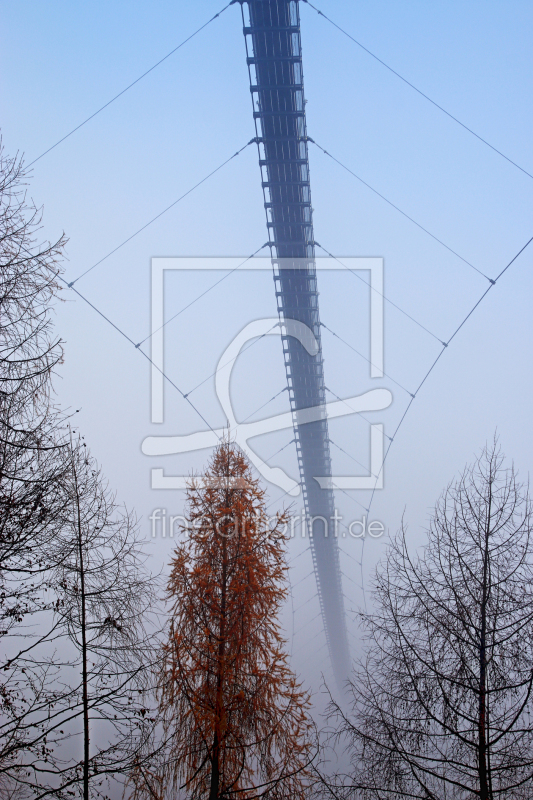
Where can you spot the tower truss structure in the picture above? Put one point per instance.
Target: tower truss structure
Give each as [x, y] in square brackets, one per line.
[274, 56]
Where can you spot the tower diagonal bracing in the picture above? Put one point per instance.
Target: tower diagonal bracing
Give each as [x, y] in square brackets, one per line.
[274, 57]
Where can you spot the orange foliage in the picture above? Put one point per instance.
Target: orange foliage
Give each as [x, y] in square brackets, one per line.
[236, 716]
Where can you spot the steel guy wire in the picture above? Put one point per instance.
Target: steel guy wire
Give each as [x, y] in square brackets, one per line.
[277, 499]
[348, 454]
[133, 235]
[344, 536]
[338, 489]
[326, 644]
[354, 636]
[349, 496]
[350, 579]
[227, 275]
[185, 397]
[169, 380]
[131, 84]
[298, 608]
[365, 358]
[428, 373]
[303, 579]
[306, 602]
[418, 225]
[348, 554]
[309, 621]
[298, 556]
[280, 450]
[456, 331]
[322, 662]
[373, 289]
[362, 587]
[320, 632]
[232, 360]
[165, 376]
[419, 91]
[285, 389]
[340, 399]
[513, 260]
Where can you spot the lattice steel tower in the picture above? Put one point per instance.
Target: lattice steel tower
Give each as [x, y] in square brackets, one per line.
[274, 57]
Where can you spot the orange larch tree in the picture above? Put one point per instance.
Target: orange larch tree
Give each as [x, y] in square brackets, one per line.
[235, 718]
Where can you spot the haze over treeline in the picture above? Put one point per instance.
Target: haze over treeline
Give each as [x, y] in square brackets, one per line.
[116, 683]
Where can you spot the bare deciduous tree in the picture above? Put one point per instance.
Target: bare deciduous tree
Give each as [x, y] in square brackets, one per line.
[441, 705]
[74, 593]
[104, 600]
[32, 464]
[30, 453]
[74, 702]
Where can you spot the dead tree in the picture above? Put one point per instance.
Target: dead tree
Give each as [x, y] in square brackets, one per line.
[441, 705]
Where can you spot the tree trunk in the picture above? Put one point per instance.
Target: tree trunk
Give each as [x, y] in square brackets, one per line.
[482, 719]
[84, 678]
[482, 745]
[215, 769]
[219, 704]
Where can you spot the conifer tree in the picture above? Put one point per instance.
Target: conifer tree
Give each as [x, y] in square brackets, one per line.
[235, 718]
